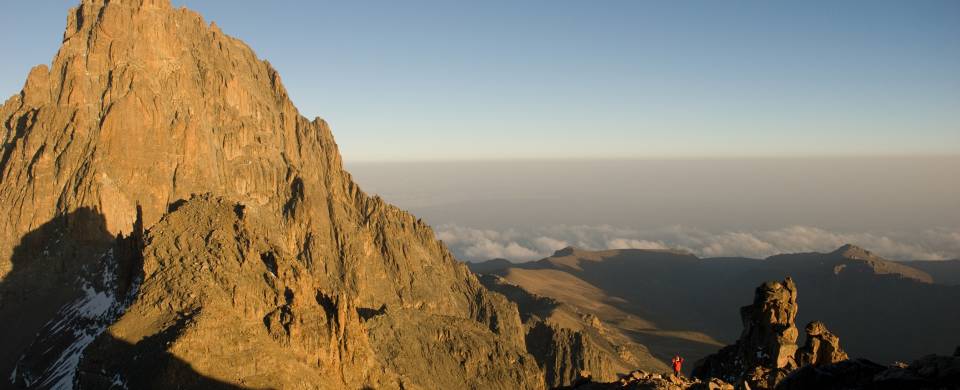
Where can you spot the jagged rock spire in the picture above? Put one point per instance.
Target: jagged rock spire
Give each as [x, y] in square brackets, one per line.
[142, 107]
[767, 350]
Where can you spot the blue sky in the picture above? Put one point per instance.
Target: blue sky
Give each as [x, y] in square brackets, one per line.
[437, 80]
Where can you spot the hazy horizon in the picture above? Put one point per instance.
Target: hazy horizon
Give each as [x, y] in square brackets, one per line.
[901, 208]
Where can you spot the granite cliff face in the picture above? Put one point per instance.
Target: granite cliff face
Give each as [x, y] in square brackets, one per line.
[283, 273]
[571, 345]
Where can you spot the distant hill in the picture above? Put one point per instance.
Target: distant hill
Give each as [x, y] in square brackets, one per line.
[677, 302]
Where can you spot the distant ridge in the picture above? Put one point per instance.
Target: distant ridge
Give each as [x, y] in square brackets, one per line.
[849, 287]
[852, 258]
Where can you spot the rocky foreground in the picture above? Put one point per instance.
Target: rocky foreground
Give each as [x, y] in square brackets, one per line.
[767, 356]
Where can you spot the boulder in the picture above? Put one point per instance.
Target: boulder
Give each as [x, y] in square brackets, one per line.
[821, 347]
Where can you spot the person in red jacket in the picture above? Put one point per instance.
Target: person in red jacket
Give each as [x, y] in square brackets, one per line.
[677, 364]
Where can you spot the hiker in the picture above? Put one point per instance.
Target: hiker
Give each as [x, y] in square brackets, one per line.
[677, 363]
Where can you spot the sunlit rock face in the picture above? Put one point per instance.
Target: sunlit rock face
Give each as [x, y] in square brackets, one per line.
[158, 175]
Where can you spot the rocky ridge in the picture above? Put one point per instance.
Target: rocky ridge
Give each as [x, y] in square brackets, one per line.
[570, 345]
[841, 288]
[284, 273]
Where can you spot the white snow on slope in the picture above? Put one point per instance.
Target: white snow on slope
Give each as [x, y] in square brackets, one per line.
[77, 325]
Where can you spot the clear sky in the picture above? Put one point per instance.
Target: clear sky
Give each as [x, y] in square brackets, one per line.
[435, 80]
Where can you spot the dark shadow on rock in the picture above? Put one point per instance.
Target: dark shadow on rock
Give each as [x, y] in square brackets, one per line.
[47, 265]
[144, 365]
[24, 123]
[57, 265]
[367, 313]
[176, 205]
[529, 305]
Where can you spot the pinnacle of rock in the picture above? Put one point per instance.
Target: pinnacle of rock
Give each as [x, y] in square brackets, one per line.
[283, 257]
[764, 353]
[850, 251]
[822, 346]
[767, 350]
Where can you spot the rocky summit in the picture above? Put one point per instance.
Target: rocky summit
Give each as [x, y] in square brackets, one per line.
[169, 220]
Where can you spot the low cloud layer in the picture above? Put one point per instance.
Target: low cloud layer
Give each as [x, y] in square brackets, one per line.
[530, 244]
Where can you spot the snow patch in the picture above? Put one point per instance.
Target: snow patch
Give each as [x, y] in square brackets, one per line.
[77, 325]
[119, 382]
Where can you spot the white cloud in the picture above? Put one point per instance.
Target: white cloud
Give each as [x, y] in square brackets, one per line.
[736, 244]
[548, 245]
[530, 244]
[488, 249]
[627, 243]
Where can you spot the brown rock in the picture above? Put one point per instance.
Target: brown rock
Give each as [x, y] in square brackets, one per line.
[286, 275]
[821, 347]
[566, 342]
[764, 353]
[640, 380]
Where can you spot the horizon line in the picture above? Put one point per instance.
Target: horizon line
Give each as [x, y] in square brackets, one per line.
[656, 158]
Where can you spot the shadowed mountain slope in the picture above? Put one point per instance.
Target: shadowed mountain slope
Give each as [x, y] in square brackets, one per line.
[942, 271]
[863, 297]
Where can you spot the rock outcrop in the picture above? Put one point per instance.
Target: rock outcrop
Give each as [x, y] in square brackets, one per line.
[565, 354]
[640, 380]
[285, 275]
[216, 294]
[765, 351]
[821, 347]
[569, 345]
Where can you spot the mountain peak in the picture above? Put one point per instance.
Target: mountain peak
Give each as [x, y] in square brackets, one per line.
[145, 105]
[853, 252]
[850, 253]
